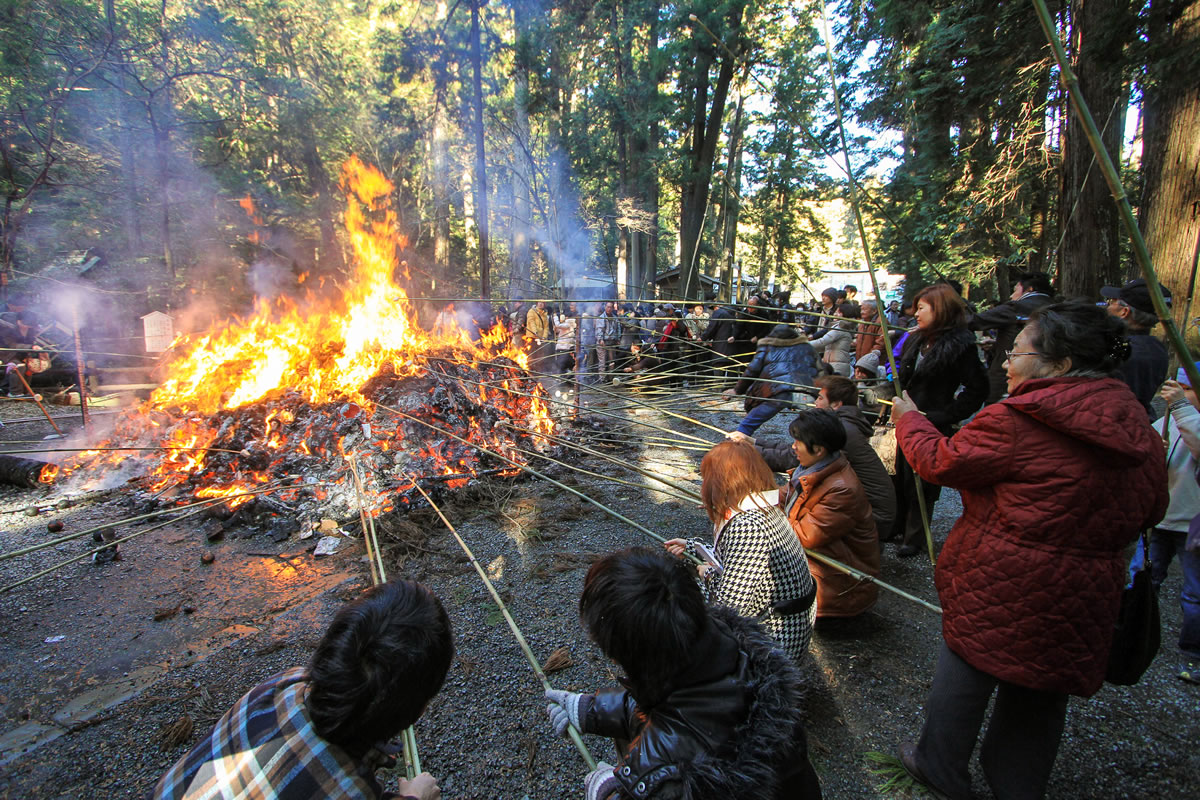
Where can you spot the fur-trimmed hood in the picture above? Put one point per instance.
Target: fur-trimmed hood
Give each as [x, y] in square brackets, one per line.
[943, 353]
[739, 735]
[783, 336]
[768, 736]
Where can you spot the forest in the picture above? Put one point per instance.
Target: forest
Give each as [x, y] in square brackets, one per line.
[195, 149]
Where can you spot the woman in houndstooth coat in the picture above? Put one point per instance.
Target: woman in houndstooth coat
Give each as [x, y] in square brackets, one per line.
[755, 564]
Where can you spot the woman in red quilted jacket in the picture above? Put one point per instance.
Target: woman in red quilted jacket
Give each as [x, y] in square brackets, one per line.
[1056, 481]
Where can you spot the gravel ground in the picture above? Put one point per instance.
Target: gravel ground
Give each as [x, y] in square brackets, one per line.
[114, 700]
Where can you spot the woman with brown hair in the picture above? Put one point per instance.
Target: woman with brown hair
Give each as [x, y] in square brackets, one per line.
[755, 564]
[938, 357]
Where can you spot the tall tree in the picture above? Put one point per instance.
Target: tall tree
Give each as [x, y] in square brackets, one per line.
[704, 98]
[1171, 124]
[1090, 255]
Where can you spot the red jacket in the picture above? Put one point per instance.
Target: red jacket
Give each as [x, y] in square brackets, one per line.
[1056, 482]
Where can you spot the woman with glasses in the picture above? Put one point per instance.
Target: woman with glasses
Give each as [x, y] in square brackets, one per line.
[1056, 481]
[939, 358]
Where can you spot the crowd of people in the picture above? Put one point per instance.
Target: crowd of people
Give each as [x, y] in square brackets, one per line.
[1041, 414]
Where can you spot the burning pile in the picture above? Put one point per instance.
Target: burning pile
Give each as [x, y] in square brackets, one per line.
[290, 393]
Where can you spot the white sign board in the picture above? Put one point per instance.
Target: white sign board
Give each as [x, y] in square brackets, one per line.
[159, 331]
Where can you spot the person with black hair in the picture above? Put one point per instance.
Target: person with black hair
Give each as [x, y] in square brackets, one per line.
[840, 395]
[1146, 369]
[830, 514]
[710, 706]
[322, 731]
[719, 334]
[1007, 319]
[1057, 480]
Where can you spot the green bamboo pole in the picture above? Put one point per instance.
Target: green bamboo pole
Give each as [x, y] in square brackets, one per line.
[576, 739]
[160, 512]
[862, 236]
[412, 759]
[824, 559]
[615, 514]
[113, 543]
[119, 449]
[1071, 83]
[591, 388]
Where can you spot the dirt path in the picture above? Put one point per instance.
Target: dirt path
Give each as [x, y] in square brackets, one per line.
[106, 709]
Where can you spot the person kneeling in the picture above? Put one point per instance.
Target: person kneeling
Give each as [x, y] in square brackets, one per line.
[830, 513]
[712, 705]
[321, 732]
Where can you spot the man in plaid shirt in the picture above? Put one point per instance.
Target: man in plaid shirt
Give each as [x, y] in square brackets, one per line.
[321, 732]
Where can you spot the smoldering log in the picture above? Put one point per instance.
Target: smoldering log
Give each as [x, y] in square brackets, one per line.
[24, 472]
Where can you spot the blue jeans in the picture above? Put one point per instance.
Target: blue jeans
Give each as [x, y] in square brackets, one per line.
[1164, 546]
[756, 417]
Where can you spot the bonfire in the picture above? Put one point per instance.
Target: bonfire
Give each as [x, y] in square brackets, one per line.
[295, 392]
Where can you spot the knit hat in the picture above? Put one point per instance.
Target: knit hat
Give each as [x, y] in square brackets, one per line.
[869, 363]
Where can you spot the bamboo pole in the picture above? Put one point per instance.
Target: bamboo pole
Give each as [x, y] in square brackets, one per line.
[615, 514]
[160, 512]
[412, 760]
[119, 449]
[113, 543]
[824, 559]
[493, 384]
[862, 236]
[1113, 178]
[606, 457]
[37, 398]
[576, 739]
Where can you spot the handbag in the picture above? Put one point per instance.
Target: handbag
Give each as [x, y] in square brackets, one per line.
[759, 393]
[1138, 634]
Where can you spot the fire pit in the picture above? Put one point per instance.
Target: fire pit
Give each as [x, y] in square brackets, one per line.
[284, 397]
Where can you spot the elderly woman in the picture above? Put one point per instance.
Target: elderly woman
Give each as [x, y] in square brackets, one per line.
[755, 564]
[1056, 482]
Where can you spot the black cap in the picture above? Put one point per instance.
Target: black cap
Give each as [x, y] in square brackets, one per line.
[1136, 294]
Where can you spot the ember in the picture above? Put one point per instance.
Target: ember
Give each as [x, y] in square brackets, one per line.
[287, 394]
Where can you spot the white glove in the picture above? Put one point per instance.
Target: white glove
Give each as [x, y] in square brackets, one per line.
[566, 708]
[600, 783]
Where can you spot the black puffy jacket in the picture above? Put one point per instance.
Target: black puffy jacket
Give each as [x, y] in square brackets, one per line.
[952, 361]
[784, 356]
[730, 728]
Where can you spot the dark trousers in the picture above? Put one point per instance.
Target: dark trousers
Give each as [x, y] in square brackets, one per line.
[1022, 735]
[908, 526]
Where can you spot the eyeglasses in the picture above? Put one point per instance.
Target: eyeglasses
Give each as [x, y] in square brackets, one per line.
[1008, 354]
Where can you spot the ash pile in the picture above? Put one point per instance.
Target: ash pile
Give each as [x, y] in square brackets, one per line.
[306, 450]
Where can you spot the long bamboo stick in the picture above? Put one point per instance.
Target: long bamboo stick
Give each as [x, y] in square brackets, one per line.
[119, 449]
[412, 759]
[113, 543]
[149, 515]
[1071, 83]
[593, 388]
[615, 514]
[824, 559]
[646, 473]
[862, 237]
[576, 739]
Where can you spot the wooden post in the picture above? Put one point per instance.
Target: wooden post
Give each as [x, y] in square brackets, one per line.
[79, 366]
